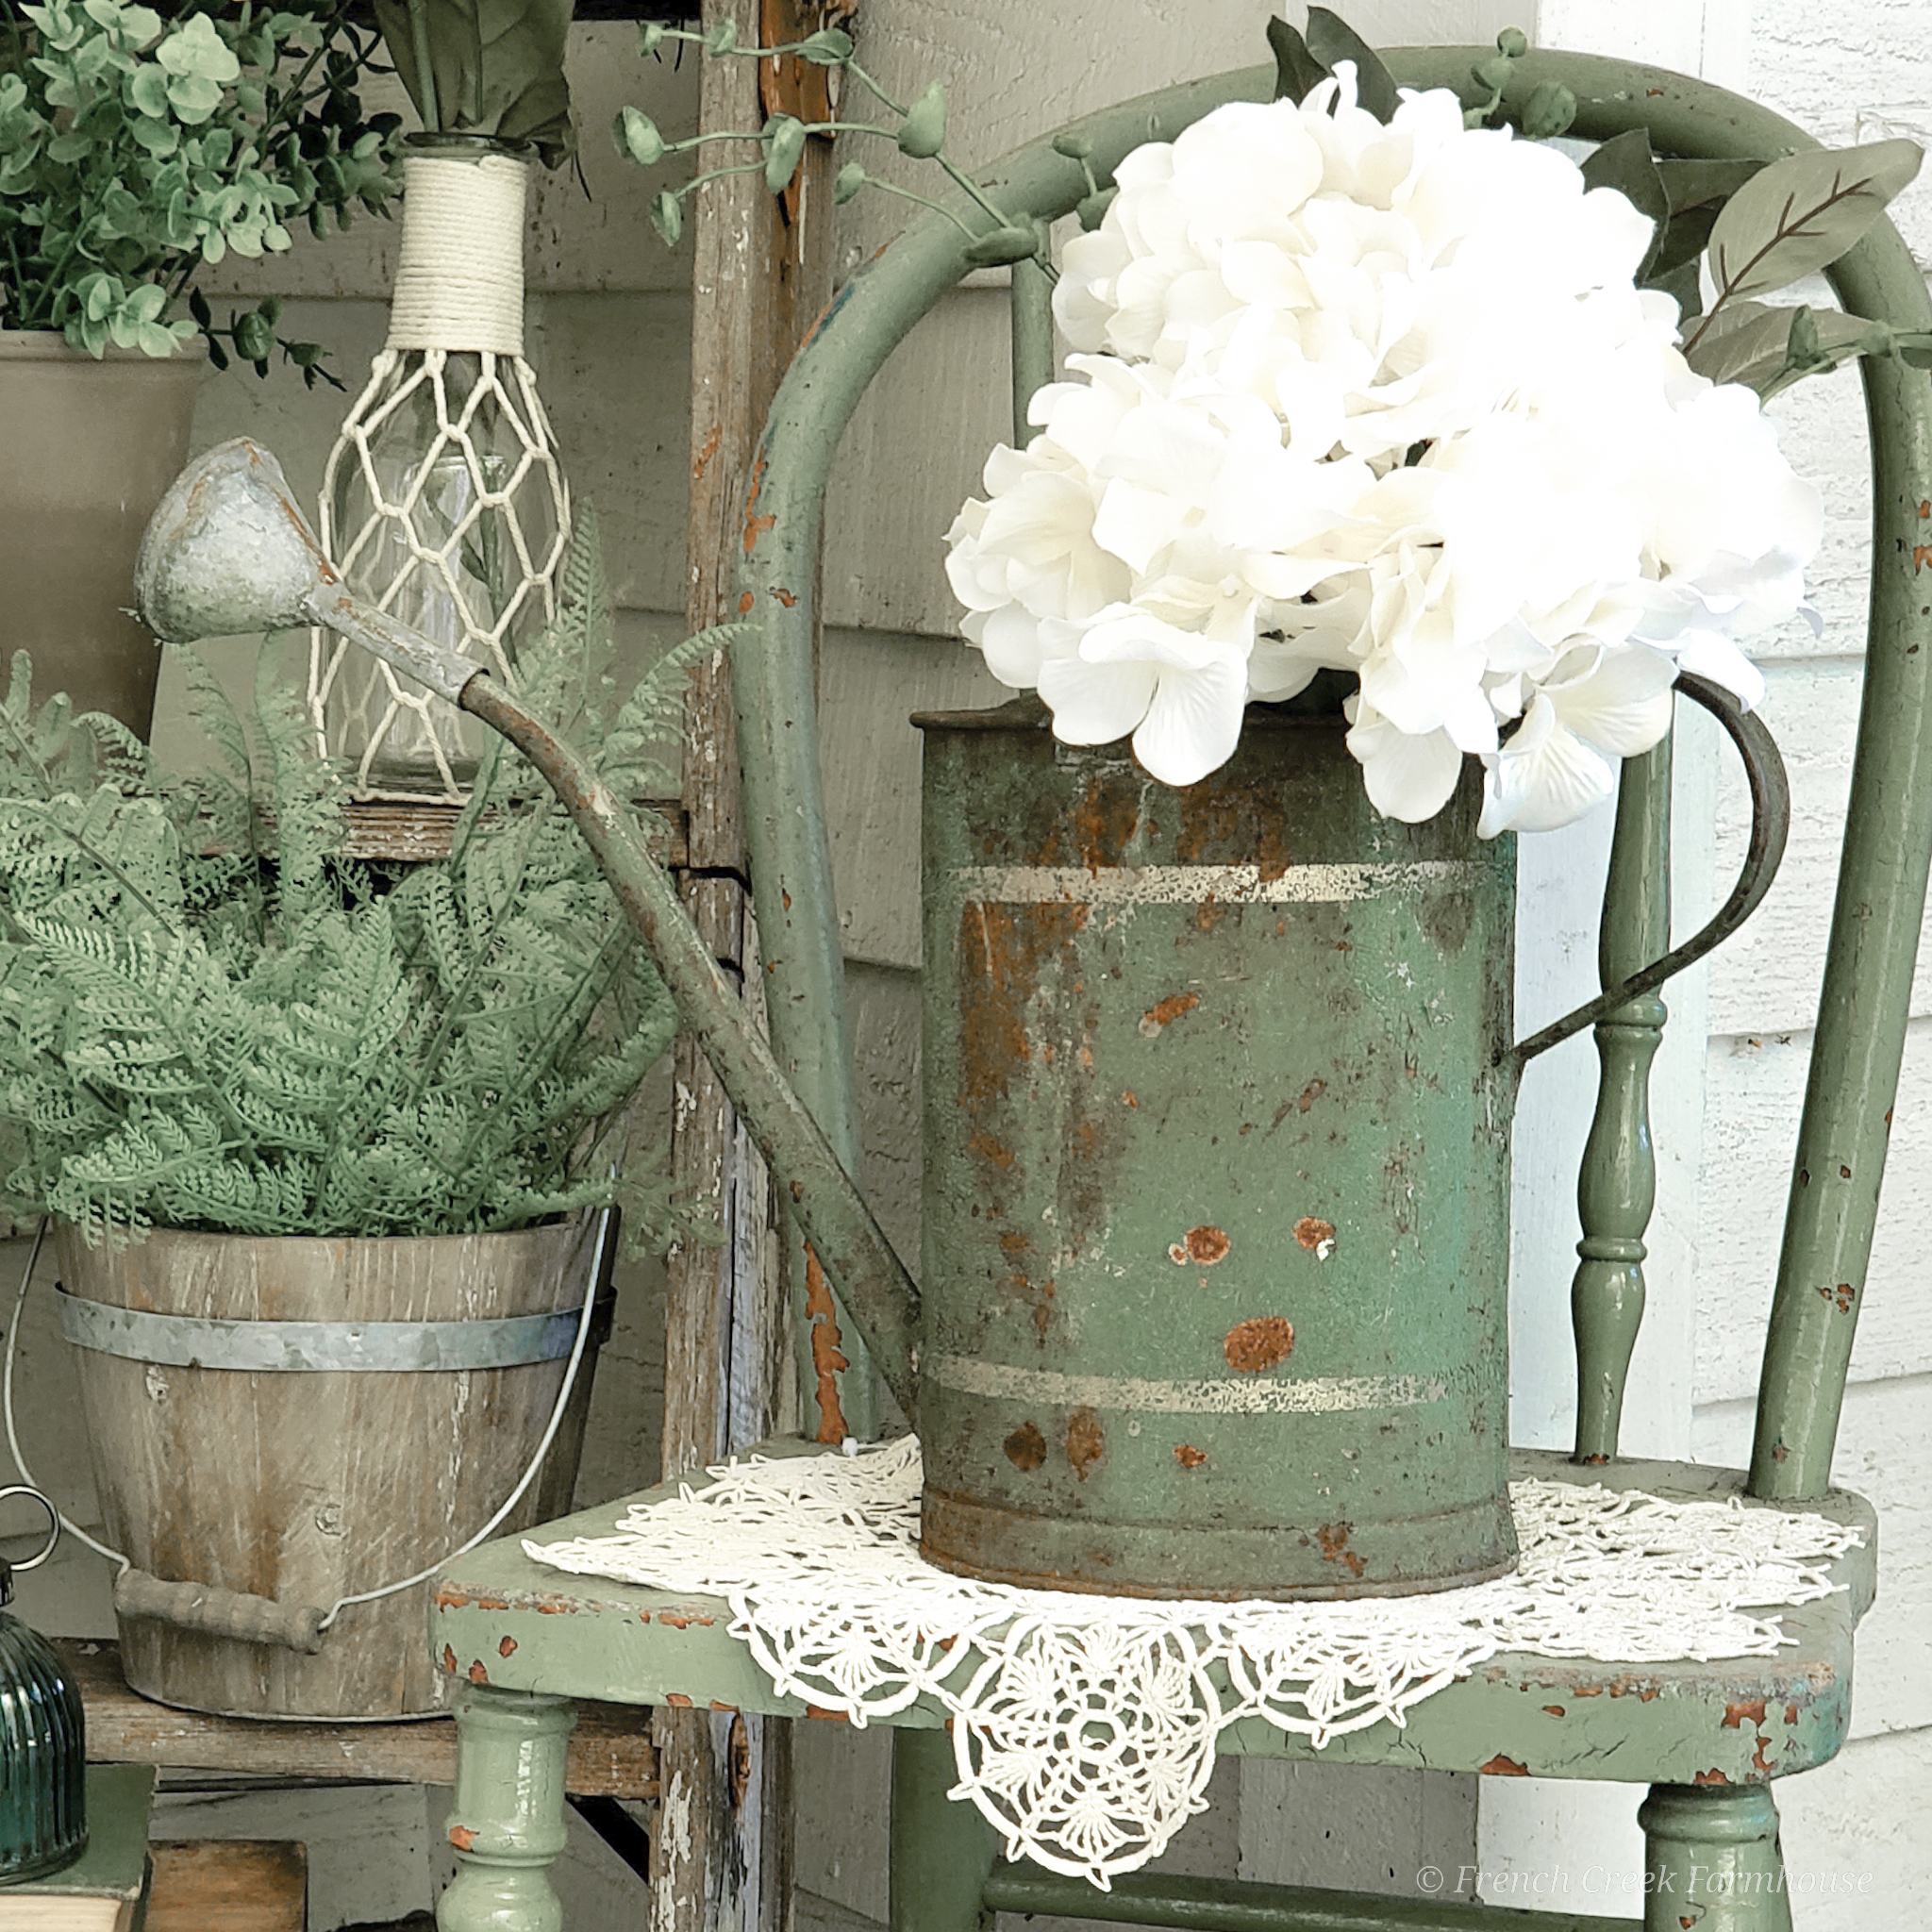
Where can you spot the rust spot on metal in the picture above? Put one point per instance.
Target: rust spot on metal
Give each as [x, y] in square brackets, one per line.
[785, 597]
[1127, 1097]
[1207, 1245]
[753, 525]
[1189, 1456]
[677, 1700]
[1778, 1451]
[1014, 1243]
[818, 1710]
[1311, 1233]
[1596, 1462]
[478, 1674]
[989, 1149]
[1166, 1012]
[745, 600]
[1926, 509]
[740, 1762]
[1209, 916]
[1790, 1713]
[1310, 1094]
[1589, 1690]
[1735, 1714]
[1758, 1760]
[1254, 1348]
[1554, 1709]
[462, 1837]
[827, 1358]
[448, 1598]
[1844, 1173]
[1333, 1538]
[1922, 555]
[1709, 1777]
[716, 1706]
[1500, 1766]
[1840, 1297]
[683, 1620]
[508, 1647]
[1027, 1447]
[493, 1603]
[449, 1659]
[1086, 1441]
[798, 1191]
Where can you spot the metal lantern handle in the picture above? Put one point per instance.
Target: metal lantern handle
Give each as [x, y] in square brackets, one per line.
[46, 1550]
[1771, 824]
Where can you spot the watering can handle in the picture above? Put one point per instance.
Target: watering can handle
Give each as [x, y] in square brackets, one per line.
[1771, 823]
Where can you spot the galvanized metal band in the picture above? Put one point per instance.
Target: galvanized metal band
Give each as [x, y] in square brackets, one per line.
[194, 1342]
[1226, 885]
[1305, 1395]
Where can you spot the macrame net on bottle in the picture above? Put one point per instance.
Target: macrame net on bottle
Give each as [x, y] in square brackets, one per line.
[443, 500]
[1084, 1727]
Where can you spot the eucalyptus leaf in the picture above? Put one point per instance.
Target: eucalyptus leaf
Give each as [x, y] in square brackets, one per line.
[999, 247]
[495, 68]
[1683, 241]
[1683, 284]
[1691, 184]
[1549, 111]
[1331, 39]
[1297, 70]
[1627, 165]
[1800, 214]
[785, 146]
[1756, 342]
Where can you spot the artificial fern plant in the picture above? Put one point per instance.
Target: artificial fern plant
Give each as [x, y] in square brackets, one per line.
[212, 1018]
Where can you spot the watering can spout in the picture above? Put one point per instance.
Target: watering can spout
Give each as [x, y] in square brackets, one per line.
[228, 552]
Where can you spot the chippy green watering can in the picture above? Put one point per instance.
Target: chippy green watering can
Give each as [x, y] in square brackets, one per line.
[1218, 1091]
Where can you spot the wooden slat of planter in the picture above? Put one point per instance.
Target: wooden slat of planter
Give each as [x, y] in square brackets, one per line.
[611, 1754]
[229, 1885]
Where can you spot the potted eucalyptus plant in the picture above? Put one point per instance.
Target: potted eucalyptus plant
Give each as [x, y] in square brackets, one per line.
[133, 153]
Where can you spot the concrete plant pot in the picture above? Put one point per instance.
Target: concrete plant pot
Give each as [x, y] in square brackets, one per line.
[89, 447]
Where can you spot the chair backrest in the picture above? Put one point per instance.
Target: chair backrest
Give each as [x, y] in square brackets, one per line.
[1881, 892]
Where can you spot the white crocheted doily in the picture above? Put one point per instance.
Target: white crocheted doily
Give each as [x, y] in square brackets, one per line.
[1084, 1726]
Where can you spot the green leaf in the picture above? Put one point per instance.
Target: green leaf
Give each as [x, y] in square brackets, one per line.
[1626, 163]
[923, 133]
[1798, 215]
[1691, 184]
[722, 40]
[1072, 147]
[638, 136]
[667, 217]
[850, 178]
[994, 249]
[784, 149]
[496, 68]
[1756, 342]
[1297, 70]
[830, 46]
[1331, 39]
[1550, 110]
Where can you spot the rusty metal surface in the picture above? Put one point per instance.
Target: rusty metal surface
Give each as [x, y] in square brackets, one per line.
[1217, 1177]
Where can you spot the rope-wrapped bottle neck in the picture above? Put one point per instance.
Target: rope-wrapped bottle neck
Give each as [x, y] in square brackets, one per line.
[460, 280]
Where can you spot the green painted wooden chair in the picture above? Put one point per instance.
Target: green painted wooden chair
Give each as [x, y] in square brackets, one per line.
[530, 1638]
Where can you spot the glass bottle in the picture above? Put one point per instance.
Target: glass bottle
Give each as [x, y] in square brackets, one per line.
[42, 1739]
[443, 500]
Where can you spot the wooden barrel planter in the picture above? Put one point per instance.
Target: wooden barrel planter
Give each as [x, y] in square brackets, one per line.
[320, 1469]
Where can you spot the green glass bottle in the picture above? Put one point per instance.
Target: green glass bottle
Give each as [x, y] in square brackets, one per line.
[42, 1739]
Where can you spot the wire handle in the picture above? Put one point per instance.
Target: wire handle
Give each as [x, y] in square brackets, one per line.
[53, 1523]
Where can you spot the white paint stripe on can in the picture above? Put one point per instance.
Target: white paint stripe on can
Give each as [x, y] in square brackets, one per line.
[1311, 1395]
[1189, 885]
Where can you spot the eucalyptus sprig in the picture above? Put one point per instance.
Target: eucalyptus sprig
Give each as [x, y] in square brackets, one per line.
[133, 153]
[920, 133]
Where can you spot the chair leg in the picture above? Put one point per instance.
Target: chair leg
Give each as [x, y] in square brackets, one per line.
[508, 1822]
[941, 1851]
[1712, 1860]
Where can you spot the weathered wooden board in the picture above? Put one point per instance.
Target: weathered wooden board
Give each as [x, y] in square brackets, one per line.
[611, 1754]
[1766, 977]
[1753, 1089]
[229, 1885]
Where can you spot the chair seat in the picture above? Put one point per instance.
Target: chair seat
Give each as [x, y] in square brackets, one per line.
[502, 1619]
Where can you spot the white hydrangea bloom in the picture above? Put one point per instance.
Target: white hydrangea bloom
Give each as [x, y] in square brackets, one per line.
[1382, 399]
